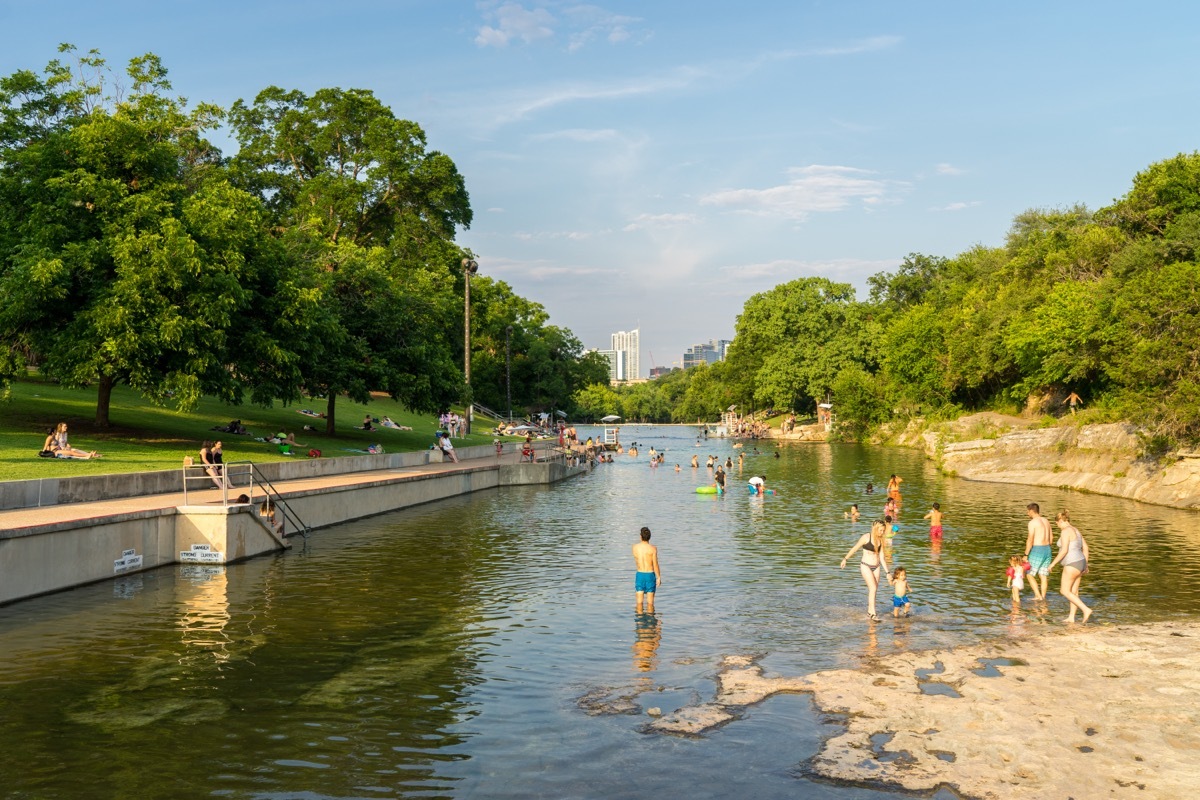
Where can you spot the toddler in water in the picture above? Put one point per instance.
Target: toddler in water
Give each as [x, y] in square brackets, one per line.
[1017, 567]
[900, 598]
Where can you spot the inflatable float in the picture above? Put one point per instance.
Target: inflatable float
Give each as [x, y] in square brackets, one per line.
[707, 490]
[764, 491]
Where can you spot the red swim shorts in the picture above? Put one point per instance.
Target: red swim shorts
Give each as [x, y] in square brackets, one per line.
[935, 531]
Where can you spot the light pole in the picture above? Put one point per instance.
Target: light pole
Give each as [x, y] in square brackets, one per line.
[469, 268]
[508, 368]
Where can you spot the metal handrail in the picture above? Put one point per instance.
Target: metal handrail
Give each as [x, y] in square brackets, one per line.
[269, 489]
[231, 474]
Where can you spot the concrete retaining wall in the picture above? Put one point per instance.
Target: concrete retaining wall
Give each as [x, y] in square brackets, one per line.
[85, 551]
[55, 491]
[62, 555]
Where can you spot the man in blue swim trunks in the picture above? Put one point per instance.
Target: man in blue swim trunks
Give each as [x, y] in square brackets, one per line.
[648, 576]
[1037, 549]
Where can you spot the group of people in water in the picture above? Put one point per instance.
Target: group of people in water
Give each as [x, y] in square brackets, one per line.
[1036, 563]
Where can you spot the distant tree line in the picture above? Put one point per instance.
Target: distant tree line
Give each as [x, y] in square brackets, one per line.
[1104, 303]
[319, 260]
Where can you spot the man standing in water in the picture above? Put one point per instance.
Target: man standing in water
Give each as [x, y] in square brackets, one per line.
[648, 574]
[1037, 549]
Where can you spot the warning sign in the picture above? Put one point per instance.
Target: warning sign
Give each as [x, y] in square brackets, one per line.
[202, 554]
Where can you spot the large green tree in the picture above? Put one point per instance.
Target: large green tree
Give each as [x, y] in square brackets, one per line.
[370, 215]
[125, 252]
[794, 340]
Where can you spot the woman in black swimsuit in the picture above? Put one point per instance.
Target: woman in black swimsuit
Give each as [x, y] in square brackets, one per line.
[873, 561]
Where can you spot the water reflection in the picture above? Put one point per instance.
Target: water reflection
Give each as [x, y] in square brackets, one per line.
[440, 651]
[647, 636]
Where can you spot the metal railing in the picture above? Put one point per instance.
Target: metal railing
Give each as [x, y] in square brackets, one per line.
[484, 411]
[242, 475]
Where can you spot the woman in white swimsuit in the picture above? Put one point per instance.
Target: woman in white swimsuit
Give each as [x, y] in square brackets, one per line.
[873, 561]
[1073, 553]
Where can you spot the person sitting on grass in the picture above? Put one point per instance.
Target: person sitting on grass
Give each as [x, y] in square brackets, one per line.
[367, 426]
[57, 442]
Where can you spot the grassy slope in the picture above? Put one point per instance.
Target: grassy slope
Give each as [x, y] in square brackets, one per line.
[145, 437]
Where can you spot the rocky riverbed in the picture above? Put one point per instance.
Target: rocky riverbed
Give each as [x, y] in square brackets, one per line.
[1084, 712]
[1103, 459]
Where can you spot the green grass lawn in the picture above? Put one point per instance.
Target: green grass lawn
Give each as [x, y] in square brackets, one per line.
[145, 437]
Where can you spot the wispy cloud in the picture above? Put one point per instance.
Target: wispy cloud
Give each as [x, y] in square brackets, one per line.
[528, 102]
[550, 97]
[594, 23]
[948, 169]
[644, 221]
[960, 206]
[543, 269]
[578, 135]
[868, 45]
[512, 21]
[845, 269]
[815, 188]
[573, 236]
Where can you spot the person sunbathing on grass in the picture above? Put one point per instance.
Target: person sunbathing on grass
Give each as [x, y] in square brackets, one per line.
[57, 442]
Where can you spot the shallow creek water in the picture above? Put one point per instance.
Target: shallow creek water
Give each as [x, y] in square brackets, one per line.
[443, 651]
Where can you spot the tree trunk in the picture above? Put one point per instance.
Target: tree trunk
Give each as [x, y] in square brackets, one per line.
[103, 399]
[329, 423]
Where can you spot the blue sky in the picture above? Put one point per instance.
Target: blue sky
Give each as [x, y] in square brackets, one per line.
[655, 164]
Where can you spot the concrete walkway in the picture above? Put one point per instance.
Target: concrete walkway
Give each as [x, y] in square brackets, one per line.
[13, 521]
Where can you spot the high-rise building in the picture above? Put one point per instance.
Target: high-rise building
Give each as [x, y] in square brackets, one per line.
[628, 343]
[709, 353]
[616, 363]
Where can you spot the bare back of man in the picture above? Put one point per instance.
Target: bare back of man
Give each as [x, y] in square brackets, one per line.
[1037, 550]
[649, 575]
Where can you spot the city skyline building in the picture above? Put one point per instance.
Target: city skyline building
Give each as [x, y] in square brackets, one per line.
[710, 352]
[616, 364]
[629, 342]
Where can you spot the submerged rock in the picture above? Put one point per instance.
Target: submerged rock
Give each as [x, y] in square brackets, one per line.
[1085, 712]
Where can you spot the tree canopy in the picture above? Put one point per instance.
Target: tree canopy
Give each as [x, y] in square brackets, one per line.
[319, 259]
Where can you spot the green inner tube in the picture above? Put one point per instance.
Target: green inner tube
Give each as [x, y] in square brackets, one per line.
[706, 490]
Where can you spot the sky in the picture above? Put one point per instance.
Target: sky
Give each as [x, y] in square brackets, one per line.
[654, 164]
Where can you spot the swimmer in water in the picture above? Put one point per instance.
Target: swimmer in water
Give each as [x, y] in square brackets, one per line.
[852, 514]
[649, 575]
[935, 524]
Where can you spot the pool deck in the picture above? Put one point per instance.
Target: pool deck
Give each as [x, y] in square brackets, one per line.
[50, 548]
[24, 519]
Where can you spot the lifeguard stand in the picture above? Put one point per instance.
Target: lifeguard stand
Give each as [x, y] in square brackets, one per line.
[610, 438]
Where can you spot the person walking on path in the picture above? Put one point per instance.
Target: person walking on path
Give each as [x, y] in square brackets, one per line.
[1037, 550]
[1073, 553]
[874, 561]
[649, 576]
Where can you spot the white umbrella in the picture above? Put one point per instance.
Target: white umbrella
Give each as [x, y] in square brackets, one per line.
[610, 418]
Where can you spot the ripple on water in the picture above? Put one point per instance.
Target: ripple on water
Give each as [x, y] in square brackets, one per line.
[444, 649]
